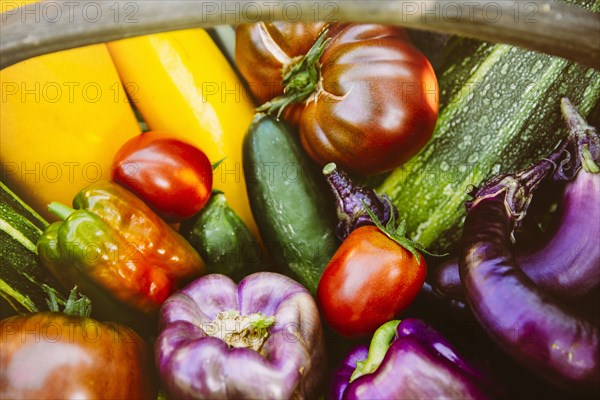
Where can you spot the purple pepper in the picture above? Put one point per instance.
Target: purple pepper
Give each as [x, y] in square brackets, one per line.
[407, 360]
[261, 338]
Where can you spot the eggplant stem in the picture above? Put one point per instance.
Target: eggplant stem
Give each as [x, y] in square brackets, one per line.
[587, 142]
[583, 142]
[587, 161]
[350, 201]
[520, 186]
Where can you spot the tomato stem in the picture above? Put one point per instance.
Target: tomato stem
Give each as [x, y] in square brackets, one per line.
[77, 304]
[382, 339]
[301, 80]
[397, 233]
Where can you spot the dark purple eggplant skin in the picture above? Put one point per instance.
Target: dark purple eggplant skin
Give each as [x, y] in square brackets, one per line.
[567, 265]
[419, 364]
[351, 200]
[445, 280]
[545, 336]
[567, 262]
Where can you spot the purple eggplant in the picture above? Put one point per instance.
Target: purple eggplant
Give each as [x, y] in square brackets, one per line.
[567, 265]
[445, 280]
[351, 200]
[538, 331]
[408, 360]
[261, 338]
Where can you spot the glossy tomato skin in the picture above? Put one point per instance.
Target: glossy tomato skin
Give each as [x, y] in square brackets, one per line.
[173, 177]
[54, 356]
[272, 46]
[369, 280]
[378, 103]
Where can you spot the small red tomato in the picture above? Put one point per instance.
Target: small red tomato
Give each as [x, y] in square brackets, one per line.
[368, 281]
[173, 177]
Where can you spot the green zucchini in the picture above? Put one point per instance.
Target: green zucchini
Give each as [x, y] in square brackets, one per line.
[22, 279]
[499, 111]
[290, 202]
[223, 240]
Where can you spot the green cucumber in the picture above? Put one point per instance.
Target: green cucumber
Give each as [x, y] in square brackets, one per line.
[22, 279]
[499, 112]
[223, 240]
[290, 202]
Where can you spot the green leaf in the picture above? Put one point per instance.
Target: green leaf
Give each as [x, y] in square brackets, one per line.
[76, 305]
[216, 165]
[397, 234]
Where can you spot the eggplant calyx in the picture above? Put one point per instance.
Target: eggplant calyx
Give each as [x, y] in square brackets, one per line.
[351, 200]
[241, 331]
[380, 343]
[518, 188]
[587, 161]
[77, 305]
[583, 142]
[587, 142]
[301, 79]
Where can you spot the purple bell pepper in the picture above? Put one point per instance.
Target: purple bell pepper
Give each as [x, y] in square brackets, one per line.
[262, 338]
[408, 360]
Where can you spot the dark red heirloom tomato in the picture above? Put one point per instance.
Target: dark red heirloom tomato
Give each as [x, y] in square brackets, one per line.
[51, 355]
[367, 99]
[369, 280]
[173, 177]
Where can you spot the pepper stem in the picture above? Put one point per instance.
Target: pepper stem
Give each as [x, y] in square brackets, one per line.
[60, 210]
[241, 331]
[382, 339]
[301, 80]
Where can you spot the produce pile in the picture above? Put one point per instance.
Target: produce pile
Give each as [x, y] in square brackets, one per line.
[323, 213]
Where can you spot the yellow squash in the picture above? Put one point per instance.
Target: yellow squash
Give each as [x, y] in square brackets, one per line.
[182, 84]
[63, 117]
